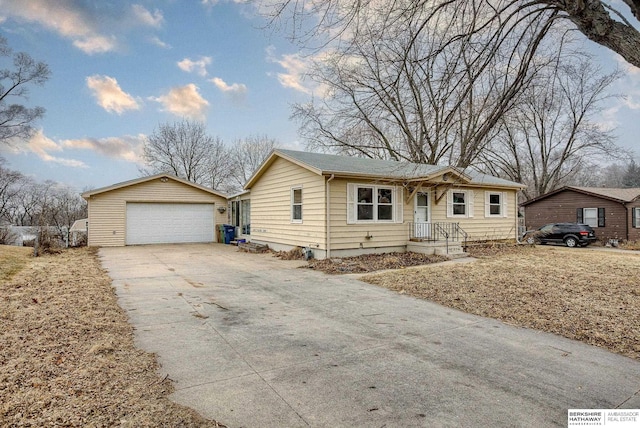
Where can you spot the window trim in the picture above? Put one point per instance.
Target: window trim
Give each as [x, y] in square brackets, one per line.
[375, 204]
[294, 204]
[468, 203]
[396, 204]
[635, 220]
[595, 217]
[502, 204]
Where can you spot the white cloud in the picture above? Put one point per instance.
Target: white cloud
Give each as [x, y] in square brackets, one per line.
[184, 101]
[144, 16]
[295, 68]
[110, 96]
[64, 18]
[128, 148]
[42, 146]
[199, 66]
[156, 41]
[235, 88]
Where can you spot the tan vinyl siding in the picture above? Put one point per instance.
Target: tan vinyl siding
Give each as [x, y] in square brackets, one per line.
[479, 227]
[107, 211]
[353, 236]
[271, 206]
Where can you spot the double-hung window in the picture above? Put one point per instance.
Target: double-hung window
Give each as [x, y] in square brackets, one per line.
[495, 204]
[460, 203]
[296, 205]
[368, 203]
[594, 217]
[636, 217]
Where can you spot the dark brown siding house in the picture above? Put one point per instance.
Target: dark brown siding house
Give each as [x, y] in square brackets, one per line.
[613, 213]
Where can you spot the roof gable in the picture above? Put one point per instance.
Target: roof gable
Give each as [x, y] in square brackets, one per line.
[88, 194]
[621, 195]
[344, 166]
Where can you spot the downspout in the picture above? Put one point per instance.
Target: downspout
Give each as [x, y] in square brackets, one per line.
[627, 220]
[327, 240]
[517, 220]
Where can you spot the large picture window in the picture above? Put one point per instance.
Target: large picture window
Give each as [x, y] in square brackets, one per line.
[368, 204]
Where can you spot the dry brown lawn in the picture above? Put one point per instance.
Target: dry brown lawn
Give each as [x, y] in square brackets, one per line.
[591, 296]
[67, 356]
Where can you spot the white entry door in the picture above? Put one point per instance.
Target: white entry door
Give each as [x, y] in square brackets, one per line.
[422, 215]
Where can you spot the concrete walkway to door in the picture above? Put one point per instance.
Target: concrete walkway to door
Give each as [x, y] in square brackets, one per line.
[252, 341]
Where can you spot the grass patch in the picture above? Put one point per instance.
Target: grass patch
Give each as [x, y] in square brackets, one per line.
[591, 296]
[67, 355]
[12, 260]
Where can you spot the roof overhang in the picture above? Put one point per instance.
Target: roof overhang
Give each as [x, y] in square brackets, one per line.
[163, 176]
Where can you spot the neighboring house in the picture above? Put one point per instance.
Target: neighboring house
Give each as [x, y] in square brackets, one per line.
[340, 206]
[152, 210]
[78, 232]
[613, 213]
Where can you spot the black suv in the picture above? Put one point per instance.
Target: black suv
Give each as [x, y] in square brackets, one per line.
[571, 234]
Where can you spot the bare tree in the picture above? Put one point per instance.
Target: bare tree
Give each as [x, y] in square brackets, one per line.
[597, 20]
[15, 119]
[552, 134]
[246, 156]
[184, 149]
[413, 92]
[11, 184]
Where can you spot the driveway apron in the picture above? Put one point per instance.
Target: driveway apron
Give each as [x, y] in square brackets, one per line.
[251, 340]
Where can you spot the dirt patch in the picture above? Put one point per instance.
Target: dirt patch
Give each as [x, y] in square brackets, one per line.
[591, 296]
[67, 356]
[373, 262]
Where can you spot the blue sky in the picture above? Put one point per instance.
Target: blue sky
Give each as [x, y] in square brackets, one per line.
[119, 69]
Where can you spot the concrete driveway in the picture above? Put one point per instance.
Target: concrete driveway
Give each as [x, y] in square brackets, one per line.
[250, 340]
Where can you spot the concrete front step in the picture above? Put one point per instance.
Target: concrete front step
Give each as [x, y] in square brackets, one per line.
[453, 251]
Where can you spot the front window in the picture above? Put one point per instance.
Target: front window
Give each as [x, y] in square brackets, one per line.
[459, 203]
[494, 204]
[637, 217]
[374, 203]
[296, 205]
[590, 217]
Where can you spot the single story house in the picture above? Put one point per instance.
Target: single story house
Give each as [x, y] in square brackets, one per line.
[158, 209]
[613, 213]
[341, 206]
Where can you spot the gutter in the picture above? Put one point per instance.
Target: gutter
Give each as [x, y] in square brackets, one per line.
[327, 240]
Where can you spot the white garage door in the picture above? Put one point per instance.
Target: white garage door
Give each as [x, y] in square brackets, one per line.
[153, 223]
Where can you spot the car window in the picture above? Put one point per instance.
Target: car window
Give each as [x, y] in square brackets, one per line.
[547, 228]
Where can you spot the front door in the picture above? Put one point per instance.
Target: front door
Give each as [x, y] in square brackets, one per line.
[422, 215]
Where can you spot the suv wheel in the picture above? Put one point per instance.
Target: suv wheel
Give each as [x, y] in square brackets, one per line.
[570, 241]
[531, 240]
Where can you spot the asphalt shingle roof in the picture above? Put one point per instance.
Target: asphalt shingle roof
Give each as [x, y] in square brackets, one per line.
[623, 194]
[334, 164]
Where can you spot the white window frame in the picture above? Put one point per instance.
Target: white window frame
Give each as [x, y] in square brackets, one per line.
[395, 204]
[295, 204]
[468, 203]
[636, 212]
[502, 204]
[594, 218]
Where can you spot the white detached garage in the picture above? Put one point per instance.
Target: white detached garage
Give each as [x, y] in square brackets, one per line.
[154, 210]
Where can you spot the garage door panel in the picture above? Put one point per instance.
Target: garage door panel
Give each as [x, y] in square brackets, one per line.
[157, 223]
